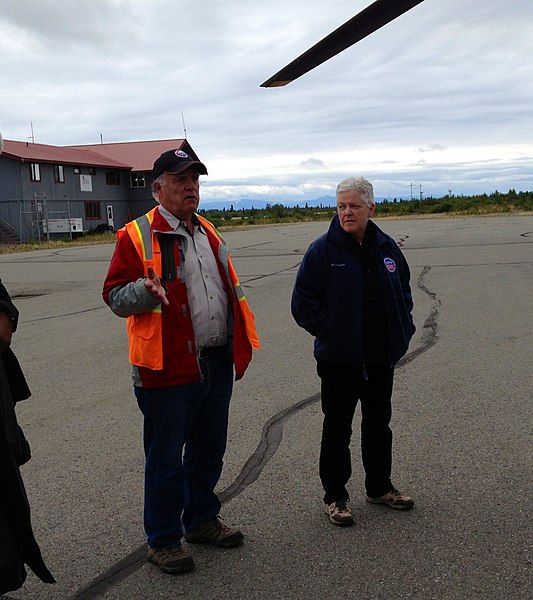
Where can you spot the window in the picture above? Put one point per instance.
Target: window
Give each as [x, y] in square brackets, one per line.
[59, 174]
[137, 179]
[35, 172]
[77, 170]
[112, 177]
[92, 211]
[86, 183]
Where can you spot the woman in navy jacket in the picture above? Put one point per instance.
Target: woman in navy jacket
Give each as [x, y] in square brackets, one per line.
[352, 293]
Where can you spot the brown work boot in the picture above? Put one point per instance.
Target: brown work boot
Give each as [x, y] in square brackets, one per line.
[394, 499]
[339, 513]
[216, 533]
[171, 560]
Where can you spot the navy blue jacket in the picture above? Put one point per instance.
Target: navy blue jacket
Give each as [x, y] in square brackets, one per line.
[328, 297]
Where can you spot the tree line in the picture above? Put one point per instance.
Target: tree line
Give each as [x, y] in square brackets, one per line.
[480, 204]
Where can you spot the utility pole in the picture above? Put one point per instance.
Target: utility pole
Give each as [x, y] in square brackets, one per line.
[419, 186]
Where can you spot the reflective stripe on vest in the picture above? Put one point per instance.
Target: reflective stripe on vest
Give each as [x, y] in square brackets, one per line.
[143, 238]
[145, 330]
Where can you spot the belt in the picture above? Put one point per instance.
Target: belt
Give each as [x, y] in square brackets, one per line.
[212, 352]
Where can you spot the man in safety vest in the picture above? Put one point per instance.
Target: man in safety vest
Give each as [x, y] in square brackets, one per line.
[189, 327]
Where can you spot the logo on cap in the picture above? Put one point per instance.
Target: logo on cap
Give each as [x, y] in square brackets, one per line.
[390, 265]
[181, 154]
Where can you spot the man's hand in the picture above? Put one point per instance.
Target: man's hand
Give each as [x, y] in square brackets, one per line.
[6, 330]
[153, 286]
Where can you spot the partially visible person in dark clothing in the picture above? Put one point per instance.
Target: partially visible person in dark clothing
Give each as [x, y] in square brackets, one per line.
[18, 546]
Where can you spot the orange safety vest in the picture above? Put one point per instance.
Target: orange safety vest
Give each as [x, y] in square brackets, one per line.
[145, 330]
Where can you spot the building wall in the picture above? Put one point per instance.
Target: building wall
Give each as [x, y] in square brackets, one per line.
[24, 202]
[10, 192]
[140, 201]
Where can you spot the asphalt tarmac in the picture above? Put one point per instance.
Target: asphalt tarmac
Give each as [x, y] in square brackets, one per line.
[462, 428]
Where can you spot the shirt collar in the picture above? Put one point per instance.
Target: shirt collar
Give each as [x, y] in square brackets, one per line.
[176, 223]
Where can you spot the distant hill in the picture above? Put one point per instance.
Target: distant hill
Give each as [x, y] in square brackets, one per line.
[247, 203]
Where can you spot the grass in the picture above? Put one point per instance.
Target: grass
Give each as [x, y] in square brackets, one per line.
[88, 240]
[109, 238]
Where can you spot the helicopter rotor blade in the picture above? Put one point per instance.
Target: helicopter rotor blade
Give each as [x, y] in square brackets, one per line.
[363, 24]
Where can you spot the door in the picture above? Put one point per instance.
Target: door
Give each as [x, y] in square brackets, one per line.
[110, 220]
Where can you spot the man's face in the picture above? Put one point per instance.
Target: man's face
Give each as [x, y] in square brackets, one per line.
[354, 213]
[180, 193]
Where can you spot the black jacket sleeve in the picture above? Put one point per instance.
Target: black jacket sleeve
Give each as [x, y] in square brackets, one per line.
[6, 306]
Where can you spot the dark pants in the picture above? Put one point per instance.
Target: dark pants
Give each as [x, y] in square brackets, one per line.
[185, 430]
[17, 542]
[341, 387]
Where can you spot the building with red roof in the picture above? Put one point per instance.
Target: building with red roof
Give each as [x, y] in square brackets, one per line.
[49, 190]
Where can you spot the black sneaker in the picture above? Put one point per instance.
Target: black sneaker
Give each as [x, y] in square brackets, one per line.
[171, 560]
[339, 513]
[394, 499]
[216, 533]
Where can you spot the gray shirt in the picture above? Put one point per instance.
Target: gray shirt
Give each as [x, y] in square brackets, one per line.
[208, 300]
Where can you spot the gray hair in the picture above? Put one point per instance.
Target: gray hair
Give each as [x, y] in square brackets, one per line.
[159, 180]
[360, 185]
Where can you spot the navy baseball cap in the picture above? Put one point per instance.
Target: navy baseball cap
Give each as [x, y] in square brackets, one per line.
[176, 161]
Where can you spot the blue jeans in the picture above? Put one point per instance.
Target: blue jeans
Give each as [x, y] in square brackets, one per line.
[185, 433]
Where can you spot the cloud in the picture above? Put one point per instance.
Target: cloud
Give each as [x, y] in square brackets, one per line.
[54, 25]
[431, 148]
[448, 79]
[313, 164]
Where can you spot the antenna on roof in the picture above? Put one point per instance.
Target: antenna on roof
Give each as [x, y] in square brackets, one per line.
[31, 137]
[183, 121]
[101, 139]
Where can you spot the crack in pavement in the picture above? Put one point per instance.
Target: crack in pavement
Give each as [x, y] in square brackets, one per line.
[430, 327]
[269, 443]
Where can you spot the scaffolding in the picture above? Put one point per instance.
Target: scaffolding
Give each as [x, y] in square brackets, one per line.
[43, 222]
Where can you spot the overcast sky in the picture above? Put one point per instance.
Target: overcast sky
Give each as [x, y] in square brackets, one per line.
[441, 98]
